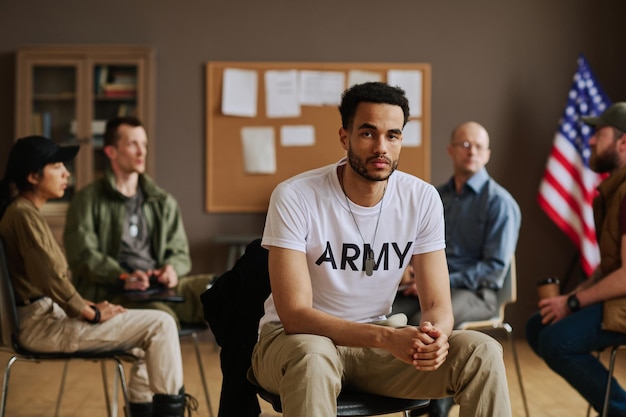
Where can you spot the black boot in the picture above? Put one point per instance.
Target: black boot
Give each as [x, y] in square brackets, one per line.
[140, 409]
[164, 405]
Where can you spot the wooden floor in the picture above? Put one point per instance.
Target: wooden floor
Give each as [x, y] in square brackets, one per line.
[33, 388]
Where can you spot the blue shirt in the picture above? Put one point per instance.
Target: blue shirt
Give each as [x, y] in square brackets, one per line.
[482, 227]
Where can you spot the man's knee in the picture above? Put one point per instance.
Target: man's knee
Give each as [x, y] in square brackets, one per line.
[468, 345]
[280, 358]
[312, 355]
[195, 284]
[165, 320]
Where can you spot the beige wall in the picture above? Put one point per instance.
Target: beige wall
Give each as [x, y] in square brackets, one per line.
[506, 64]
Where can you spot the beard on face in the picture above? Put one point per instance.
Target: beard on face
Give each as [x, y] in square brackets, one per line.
[605, 162]
[360, 166]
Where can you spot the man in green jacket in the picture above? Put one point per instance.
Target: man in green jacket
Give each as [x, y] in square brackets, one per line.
[123, 231]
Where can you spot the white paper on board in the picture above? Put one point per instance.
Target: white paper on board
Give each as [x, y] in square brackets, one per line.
[281, 93]
[239, 92]
[412, 134]
[259, 151]
[297, 135]
[411, 82]
[320, 88]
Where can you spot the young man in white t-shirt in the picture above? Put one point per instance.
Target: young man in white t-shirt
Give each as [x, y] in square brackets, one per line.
[339, 239]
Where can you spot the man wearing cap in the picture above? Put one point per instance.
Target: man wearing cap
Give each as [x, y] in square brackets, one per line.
[570, 328]
[124, 233]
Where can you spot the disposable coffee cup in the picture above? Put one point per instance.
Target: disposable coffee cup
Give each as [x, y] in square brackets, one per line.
[548, 287]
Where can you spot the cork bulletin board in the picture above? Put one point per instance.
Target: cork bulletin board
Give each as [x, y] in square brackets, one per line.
[232, 188]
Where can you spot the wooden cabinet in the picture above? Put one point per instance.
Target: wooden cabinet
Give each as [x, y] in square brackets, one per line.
[67, 93]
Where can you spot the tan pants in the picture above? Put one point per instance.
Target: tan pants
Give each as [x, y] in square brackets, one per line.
[150, 334]
[308, 371]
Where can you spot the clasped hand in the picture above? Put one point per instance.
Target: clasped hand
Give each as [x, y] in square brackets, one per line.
[424, 347]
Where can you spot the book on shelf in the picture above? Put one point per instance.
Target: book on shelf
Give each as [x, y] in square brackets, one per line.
[41, 124]
[46, 124]
[36, 124]
[126, 110]
[100, 78]
[119, 90]
[115, 82]
[124, 77]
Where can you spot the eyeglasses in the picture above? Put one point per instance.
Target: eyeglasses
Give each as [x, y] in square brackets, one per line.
[467, 145]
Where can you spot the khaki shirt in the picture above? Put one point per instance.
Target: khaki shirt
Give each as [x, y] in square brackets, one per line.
[36, 263]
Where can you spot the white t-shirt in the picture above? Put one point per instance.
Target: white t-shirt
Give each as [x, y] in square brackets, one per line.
[309, 213]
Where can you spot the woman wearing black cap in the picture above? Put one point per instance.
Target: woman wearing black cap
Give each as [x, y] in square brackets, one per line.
[53, 316]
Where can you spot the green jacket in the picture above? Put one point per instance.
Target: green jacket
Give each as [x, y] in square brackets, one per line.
[93, 235]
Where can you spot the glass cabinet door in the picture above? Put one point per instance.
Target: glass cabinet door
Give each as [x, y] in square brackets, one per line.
[114, 94]
[54, 109]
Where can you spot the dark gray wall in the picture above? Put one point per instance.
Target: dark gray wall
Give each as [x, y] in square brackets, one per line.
[505, 64]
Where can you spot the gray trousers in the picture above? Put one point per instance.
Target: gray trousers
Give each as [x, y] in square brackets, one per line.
[309, 371]
[149, 334]
[467, 305]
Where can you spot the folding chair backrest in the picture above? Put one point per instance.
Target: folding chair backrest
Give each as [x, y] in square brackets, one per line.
[8, 311]
[508, 293]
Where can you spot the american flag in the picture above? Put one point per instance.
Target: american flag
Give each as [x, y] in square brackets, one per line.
[569, 185]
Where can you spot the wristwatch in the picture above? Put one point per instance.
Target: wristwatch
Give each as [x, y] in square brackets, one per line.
[572, 303]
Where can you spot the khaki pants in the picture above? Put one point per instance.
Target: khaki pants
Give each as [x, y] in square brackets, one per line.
[308, 371]
[149, 334]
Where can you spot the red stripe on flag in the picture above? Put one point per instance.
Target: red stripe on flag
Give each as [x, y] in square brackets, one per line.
[575, 205]
[574, 172]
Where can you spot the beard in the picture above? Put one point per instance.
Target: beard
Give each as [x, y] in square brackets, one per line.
[606, 162]
[360, 167]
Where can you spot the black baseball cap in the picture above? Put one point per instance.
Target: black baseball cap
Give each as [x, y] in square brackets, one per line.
[31, 153]
[614, 116]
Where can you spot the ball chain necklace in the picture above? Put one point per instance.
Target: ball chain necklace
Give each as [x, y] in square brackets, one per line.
[369, 252]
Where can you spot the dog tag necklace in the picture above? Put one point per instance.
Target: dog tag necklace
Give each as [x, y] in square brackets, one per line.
[369, 252]
[133, 229]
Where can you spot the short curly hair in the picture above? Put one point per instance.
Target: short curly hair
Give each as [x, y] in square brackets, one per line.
[371, 92]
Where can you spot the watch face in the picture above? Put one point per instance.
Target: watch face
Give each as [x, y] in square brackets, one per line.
[572, 302]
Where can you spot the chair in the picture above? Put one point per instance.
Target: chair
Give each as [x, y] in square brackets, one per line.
[506, 295]
[9, 325]
[607, 393]
[191, 330]
[353, 403]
